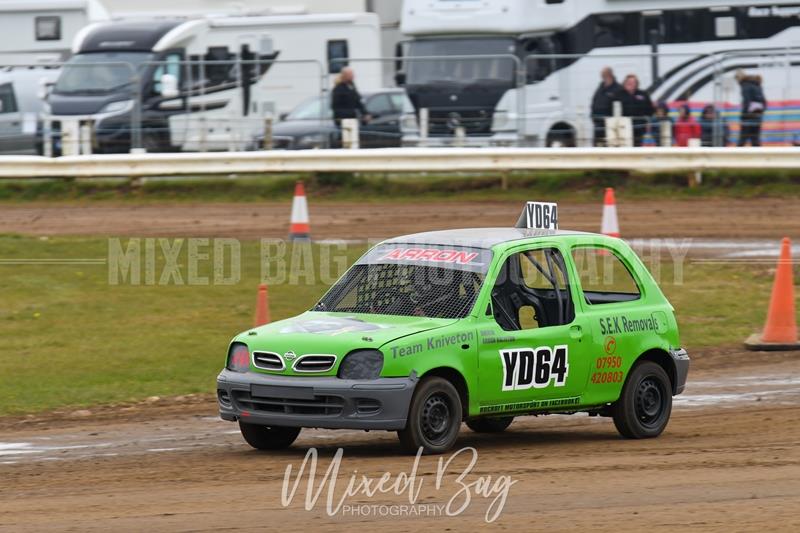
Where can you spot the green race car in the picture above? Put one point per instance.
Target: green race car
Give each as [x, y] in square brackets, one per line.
[477, 325]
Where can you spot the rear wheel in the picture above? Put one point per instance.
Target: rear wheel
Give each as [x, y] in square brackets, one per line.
[490, 425]
[645, 404]
[268, 437]
[434, 417]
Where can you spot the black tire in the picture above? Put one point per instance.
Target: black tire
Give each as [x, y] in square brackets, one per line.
[434, 418]
[268, 437]
[490, 425]
[644, 407]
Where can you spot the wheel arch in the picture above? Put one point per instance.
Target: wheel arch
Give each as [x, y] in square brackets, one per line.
[562, 130]
[660, 357]
[457, 379]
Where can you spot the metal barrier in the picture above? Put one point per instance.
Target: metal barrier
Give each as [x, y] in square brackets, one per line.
[491, 160]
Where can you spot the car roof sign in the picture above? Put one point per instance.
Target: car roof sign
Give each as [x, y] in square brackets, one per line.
[539, 215]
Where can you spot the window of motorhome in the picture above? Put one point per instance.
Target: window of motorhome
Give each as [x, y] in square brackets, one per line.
[171, 64]
[48, 28]
[338, 56]
[8, 102]
[220, 67]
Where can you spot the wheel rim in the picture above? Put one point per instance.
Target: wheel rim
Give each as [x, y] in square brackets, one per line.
[435, 420]
[650, 399]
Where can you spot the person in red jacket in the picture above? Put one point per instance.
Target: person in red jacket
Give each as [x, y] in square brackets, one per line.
[686, 127]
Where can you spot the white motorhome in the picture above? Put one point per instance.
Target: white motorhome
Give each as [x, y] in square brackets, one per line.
[205, 83]
[680, 52]
[41, 31]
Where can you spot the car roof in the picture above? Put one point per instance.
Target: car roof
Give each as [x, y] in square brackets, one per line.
[480, 237]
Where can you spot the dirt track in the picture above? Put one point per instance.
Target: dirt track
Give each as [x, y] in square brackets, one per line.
[713, 218]
[730, 460]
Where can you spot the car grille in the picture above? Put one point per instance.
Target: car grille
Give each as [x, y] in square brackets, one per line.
[319, 405]
[314, 363]
[268, 361]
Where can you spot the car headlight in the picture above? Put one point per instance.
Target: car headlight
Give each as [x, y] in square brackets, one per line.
[503, 120]
[238, 357]
[120, 106]
[408, 123]
[361, 364]
[312, 139]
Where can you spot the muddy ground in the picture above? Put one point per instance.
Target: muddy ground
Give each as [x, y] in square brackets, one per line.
[710, 218]
[729, 460]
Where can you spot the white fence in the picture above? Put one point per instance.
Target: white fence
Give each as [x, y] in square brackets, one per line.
[491, 160]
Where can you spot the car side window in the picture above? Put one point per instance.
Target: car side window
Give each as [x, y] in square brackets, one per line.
[532, 291]
[379, 105]
[8, 102]
[603, 276]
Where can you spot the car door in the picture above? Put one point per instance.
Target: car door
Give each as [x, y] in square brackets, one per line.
[383, 129]
[533, 349]
[621, 320]
[11, 122]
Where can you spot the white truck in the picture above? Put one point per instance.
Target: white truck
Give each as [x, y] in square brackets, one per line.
[542, 59]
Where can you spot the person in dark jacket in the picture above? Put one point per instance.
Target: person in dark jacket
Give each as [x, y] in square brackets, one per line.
[753, 106]
[345, 99]
[708, 119]
[636, 104]
[603, 100]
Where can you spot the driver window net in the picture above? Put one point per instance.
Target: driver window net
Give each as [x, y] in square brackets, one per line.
[404, 290]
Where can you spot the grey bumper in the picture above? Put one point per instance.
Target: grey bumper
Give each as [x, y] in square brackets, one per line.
[323, 402]
[681, 361]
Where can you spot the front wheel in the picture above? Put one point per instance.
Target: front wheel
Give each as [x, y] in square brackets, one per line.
[268, 437]
[645, 404]
[434, 417]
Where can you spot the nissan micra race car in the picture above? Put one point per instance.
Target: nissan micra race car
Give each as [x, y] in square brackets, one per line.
[481, 325]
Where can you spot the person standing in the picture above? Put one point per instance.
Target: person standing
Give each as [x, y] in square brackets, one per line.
[686, 127]
[636, 104]
[710, 119]
[753, 106]
[603, 100]
[345, 99]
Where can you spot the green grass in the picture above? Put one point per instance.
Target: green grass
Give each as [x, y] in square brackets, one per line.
[577, 186]
[71, 339]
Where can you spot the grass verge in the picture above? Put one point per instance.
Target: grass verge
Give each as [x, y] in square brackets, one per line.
[577, 186]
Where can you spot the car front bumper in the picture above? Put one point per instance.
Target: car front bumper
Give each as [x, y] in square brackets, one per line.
[319, 402]
[680, 360]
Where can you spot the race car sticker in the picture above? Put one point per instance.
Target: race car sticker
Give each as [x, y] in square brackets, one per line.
[433, 255]
[525, 368]
[530, 405]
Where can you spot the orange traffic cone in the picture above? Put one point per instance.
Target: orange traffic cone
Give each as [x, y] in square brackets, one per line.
[262, 306]
[299, 227]
[780, 331]
[609, 225]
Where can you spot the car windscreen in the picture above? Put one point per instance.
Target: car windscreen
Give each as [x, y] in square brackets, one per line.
[315, 108]
[432, 281]
[100, 72]
[493, 70]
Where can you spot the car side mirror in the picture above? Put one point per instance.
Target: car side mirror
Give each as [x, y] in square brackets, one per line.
[169, 86]
[283, 116]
